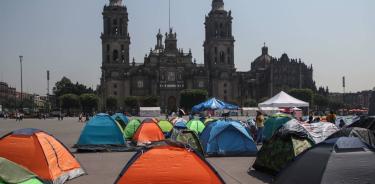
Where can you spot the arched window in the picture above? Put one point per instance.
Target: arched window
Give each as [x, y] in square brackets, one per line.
[222, 57]
[108, 47]
[115, 27]
[115, 55]
[123, 59]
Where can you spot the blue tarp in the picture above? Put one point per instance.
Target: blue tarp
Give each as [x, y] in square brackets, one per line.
[213, 104]
[102, 129]
[227, 138]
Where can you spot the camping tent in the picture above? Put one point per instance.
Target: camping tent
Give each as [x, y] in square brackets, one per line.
[196, 126]
[100, 133]
[122, 119]
[188, 137]
[148, 132]
[286, 143]
[168, 163]
[283, 100]
[366, 135]
[343, 160]
[165, 126]
[213, 104]
[11, 172]
[227, 138]
[209, 120]
[289, 141]
[365, 122]
[273, 123]
[42, 154]
[131, 128]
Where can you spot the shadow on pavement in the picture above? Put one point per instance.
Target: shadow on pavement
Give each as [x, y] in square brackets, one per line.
[261, 176]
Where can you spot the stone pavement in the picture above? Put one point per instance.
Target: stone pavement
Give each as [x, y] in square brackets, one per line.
[103, 168]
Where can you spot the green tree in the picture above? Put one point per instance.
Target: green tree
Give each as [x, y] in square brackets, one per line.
[69, 101]
[131, 102]
[335, 105]
[89, 102]
[112, 103]
[149, 101]
[321, 101]
[191, 97]
[65, 86]
[302, 94]
[250, 103]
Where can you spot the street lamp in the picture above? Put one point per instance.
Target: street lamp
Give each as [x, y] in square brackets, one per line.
[21, 97]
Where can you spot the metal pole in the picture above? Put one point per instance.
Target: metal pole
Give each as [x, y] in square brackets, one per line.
[21, 97]
[169, 14]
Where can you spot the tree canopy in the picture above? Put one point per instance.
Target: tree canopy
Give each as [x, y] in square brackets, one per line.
[89, 102]
[191, 97]
[65, 86]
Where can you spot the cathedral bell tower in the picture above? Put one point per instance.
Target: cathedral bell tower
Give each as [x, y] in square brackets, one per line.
[219, 52]
[115, 50]
[219, 43]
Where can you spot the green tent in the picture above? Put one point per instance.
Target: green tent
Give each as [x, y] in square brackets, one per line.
[165, 126]
[131, 128]
[273, 123]
[287, 143]
[12, 173]
[196, 126]
[187, 137]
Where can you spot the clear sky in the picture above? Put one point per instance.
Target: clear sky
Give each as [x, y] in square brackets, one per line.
[336, 36]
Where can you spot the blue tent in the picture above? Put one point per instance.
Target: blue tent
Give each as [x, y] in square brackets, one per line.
[121, 118]
[213, 104]
[102, 129]
[227, 138]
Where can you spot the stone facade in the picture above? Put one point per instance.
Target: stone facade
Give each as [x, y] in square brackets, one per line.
[167, 69]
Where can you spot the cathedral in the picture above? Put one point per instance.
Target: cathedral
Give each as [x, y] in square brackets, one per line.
[167, 69]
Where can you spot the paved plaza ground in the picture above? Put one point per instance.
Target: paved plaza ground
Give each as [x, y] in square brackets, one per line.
[103, 168]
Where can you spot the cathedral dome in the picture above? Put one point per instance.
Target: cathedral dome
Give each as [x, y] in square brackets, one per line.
[263, 60]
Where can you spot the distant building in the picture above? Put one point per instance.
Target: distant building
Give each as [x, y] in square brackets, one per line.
[167, 69]
[353, 100]
[6, 93]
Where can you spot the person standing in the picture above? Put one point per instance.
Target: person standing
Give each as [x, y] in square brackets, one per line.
[259, 120]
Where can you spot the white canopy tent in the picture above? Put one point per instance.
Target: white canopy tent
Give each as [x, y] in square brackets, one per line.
[283, 100]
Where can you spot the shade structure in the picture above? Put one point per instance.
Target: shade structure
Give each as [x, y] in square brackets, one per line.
[148, 132]
[11, 172]
[283, 100]
[42, 154]
[273, 123]
[213, 104]
[102, 132]
[168, 163]
[227, 138]
[343, 160]
[122, 119]
[187, 137]
[196, 126]
[131, 128]
[165, 126]
[290, 140]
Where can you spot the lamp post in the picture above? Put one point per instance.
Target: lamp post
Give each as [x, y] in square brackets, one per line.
[21, 96]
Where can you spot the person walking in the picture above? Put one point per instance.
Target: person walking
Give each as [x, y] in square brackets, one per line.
[259, 120]
[18, 118]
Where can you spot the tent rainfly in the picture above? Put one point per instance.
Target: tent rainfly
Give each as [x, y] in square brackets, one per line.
[283, 100]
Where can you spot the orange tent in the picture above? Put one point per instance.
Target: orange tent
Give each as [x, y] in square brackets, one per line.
[168, 163]
[148, 132]
[42, 154]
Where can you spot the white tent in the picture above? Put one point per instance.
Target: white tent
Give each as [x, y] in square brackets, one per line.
[283, 100]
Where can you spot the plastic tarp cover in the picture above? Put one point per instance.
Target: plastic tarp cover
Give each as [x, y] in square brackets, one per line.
[320, 131]
[11, 172]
